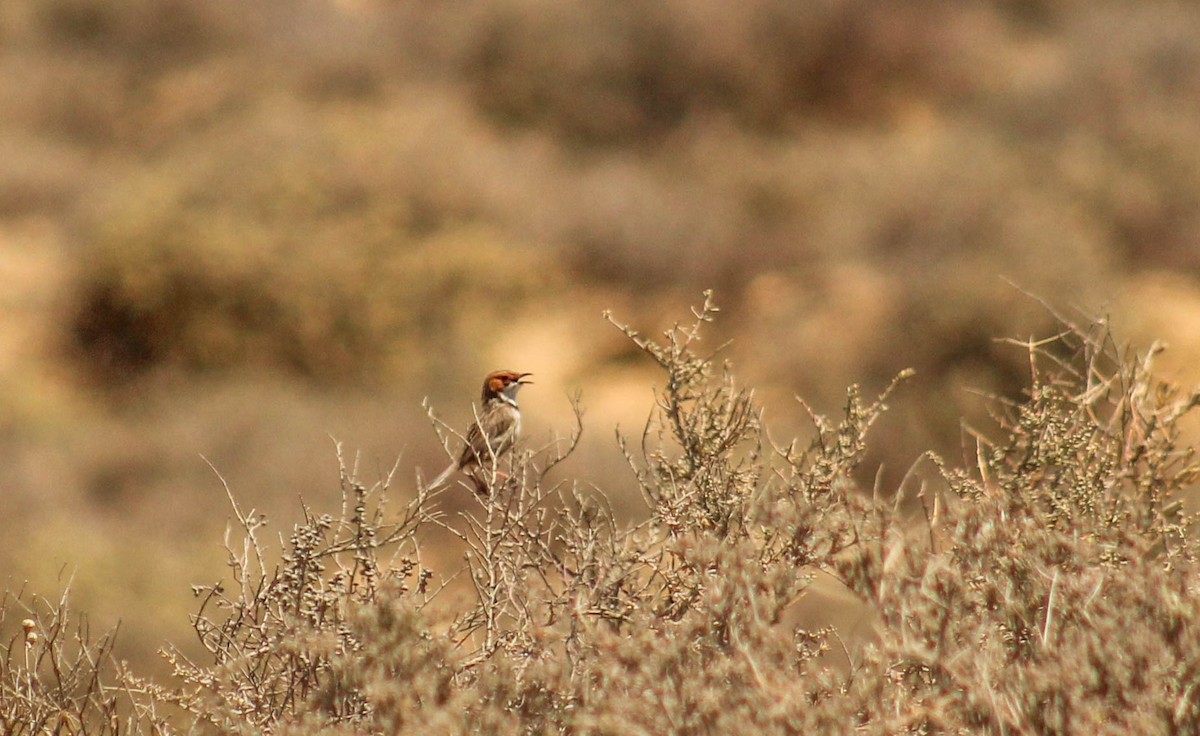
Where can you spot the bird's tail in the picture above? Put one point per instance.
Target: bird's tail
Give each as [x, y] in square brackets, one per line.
[440, 481]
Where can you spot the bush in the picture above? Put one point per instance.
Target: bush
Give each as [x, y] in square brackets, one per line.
[181, 275]
[1048, 587]
[56, 677]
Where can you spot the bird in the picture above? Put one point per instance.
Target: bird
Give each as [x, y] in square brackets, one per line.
[497, 427]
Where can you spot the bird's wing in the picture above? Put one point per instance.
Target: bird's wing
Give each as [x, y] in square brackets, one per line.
[475, 450]
[492, 435]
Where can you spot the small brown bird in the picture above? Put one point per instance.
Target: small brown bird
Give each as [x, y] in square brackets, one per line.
[496, 429]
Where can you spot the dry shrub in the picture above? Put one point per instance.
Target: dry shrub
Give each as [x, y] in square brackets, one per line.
[284, 268]
[57, 677]
[625, 72]
[1045, 590]
[273, 631]
[1046, 586]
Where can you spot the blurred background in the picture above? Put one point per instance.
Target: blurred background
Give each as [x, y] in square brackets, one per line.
[240, 229]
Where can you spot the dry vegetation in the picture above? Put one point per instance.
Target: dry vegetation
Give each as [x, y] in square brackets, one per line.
[1048, 588]
[234, 229]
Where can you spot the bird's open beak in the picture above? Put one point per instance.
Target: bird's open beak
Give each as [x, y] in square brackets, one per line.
[522, 375]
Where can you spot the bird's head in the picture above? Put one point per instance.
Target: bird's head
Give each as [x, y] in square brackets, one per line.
[504, 385]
